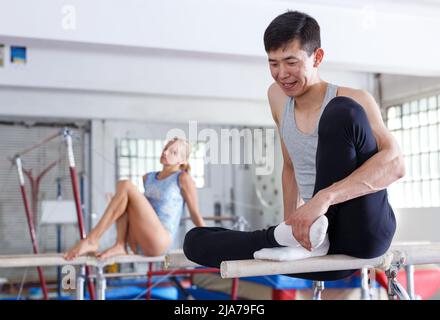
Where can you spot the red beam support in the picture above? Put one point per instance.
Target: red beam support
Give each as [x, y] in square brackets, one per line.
[149, 281]
[79, 212]
[31, 225]
[234, 289]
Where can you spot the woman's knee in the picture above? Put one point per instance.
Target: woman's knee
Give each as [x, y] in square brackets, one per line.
[125, 188]
[124, 185]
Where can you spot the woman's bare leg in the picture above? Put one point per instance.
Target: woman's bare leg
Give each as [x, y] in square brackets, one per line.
[149, 233]
[120, 247]
[91, 243]
[146, 226]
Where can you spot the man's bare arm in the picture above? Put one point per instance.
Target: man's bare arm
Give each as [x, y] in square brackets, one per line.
[291, 199]
[378, 172]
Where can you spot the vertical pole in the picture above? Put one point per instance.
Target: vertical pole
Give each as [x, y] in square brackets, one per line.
[318, 287]
[58, 226]
[74, 179]
[232, 195]
[101, 283]
[234, 289]
[365, 286]
[80, 279]
[31, 225]
[149, 281]
[410, 282]
[82, 197]
[217, 212]
[35, 190]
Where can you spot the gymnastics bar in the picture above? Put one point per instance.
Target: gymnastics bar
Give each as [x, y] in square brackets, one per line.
[56, 259]
[398, 256]
[47, 260]
[178, 260]
[412, 254]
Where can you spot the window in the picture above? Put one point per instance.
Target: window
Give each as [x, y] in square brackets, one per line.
[416, 126]
[139, 156]
[197, 163]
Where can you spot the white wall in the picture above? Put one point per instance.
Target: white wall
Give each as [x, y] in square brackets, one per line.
[104, 82]
[371, 37]
[47, 103]
[398, 87]
[137, 70]
[144, 60]
[417, 224]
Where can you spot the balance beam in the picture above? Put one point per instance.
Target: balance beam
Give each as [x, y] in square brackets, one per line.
[54, 259]
[402, 253]
[178, 260]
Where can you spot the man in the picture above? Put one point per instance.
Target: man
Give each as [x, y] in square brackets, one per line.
[338, 160]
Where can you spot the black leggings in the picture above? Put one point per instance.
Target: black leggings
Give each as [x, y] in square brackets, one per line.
[362, 227]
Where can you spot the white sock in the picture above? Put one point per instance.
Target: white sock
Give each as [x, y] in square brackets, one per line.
[318, 230]
[292, 253]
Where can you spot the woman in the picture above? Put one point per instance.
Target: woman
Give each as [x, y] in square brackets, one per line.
[148, 221]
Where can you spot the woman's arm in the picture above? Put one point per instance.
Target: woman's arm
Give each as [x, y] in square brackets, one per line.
[189, 193]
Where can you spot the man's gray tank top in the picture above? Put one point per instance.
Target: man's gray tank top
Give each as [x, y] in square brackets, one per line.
[302, 146]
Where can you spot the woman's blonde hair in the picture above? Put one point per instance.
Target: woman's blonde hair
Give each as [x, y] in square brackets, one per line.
[185, 150]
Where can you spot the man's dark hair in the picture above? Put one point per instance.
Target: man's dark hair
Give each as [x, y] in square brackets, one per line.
[293, 25]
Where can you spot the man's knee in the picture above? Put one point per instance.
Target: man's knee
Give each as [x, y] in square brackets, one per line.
[343, 110]
[192, 245]
[343, 116]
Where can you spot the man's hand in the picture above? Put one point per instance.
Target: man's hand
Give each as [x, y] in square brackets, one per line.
[302, 219]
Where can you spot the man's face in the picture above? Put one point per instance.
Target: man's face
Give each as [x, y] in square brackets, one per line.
[292, 68]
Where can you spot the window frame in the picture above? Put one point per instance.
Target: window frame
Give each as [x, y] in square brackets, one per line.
[411, 120]
[128, 151]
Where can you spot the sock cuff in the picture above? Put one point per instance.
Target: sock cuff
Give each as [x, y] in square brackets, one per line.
[271, 237]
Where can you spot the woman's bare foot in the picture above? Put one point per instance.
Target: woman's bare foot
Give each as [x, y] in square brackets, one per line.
[81, 248]
[116, 250]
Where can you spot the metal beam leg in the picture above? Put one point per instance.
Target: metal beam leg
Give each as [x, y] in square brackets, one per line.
[410, 282]
[365, 284]
[318, 287]
[80, 280]
[395, 289]
[101, 283]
